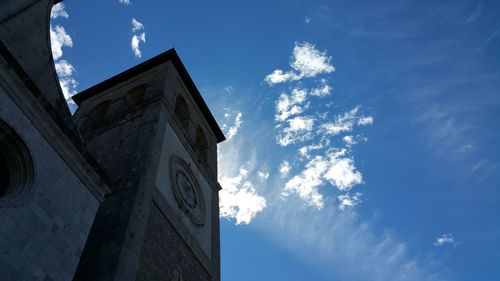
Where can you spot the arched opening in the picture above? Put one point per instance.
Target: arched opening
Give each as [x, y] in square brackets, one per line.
[101, 109]
[4, 175]
[201, 144]
[16, 165]
[182, 112]
[136, 95]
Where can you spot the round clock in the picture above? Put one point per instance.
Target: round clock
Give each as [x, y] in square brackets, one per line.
[187, 191]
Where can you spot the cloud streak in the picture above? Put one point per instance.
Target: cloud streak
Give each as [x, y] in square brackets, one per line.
[445, 239]
[59, 39]
[137, 38]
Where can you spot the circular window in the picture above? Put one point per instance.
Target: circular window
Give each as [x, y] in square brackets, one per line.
[16, 168]
[187, 191]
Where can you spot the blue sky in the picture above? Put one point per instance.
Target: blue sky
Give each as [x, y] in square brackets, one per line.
[363, 136]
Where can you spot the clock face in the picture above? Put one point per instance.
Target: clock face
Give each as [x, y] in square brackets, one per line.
[187, 191]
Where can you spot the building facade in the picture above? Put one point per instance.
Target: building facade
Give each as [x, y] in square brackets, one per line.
[125, 189]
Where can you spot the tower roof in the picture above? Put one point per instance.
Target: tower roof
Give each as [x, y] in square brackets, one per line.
[172, 56]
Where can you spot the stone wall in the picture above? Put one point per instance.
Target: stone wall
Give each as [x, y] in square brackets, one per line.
[42, 235]
[165, 256]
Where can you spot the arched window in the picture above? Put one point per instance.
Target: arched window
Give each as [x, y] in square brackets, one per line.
[136, 95]
[101, 109]
[201, 145]
[4, 175]
[16, 166]
[182, 112]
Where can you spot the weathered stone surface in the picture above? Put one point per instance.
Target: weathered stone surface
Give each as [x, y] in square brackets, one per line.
[165, 256]
[43, 234]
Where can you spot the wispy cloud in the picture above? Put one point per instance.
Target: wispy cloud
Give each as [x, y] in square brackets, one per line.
[125, 2]
[239, 199]
[262, 176]
[136, 25]
[233, 120]
[297, 129]
[326, 164]
[284, 169]
[59, 38]
[288, 105]
[306, 62]
[344, 245]
[233, 130]
[445, 239]
[58, 10]
[335, 168]
[134, 43]
[316, 173]
[346, 122]
[347, 200]
[137, 38]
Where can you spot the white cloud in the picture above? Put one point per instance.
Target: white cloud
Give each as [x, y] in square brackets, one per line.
[349, 140]
[59, 39]
[68, 84]
[304, 151]
[288, 105]
[299, 129]
[278, 76]
[134, 44]
[307, 183]
[335, 168]
[68, 87]
[136, 25]
[309, 62]
[306, 62]
[64, 68]
[125, 2]
[58, 10]
[307, 20]
[284, 169]
[445, 239]
[347, 200]
[137, 38]
[262, 176]
[239, 199]
[363, 121]
[233, 130]
[325, 90]
[346, 122]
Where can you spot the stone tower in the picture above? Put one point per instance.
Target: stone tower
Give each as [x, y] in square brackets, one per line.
[153, 135]
[126, 189]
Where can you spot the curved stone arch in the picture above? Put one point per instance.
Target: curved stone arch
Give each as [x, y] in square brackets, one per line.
[135, 96]
[201, 144]
[31, 54]
[17, 165]
[182, 113]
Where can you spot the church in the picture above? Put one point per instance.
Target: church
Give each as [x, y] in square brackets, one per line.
[125, 189]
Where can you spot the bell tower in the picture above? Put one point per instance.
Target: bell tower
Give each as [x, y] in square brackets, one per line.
[154, 137]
